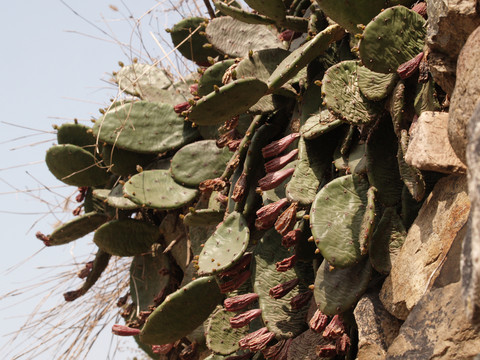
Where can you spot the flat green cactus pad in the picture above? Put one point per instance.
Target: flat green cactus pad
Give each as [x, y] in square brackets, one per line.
[343, 96]
[383, 172]
[314, 158]
[375, 86]
[182, 312]
[319, 124]
[236, 38]
[126, 237]
[190, 29]
[75, 166]
[300, 58]
[242, 15]
[274, 9]
[355, 162]
[199, 161]
[221, 337]
[123, 162]
[278, 314]
[204, 217]
[392, 38]
[156, 189]
[213, 77]
[336, 218]
[386, 241]
[76, 228]
[144, 127]
[143, 80]
[337, 290]
[232, 99]
[76, 134]
[115, 198]
[351, 13]
[149, 275]
[261, 64]
[226, 246]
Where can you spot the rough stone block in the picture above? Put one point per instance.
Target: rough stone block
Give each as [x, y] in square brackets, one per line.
[428, 241]
[429, 148]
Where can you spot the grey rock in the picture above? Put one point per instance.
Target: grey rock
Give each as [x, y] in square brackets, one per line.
[465, 95]
[437, 329]
[429, 148]
[425, 249]
[376, 327]
[449, 24]
[471, 249]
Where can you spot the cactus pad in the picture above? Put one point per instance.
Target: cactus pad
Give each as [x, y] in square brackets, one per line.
[375, 86]
[76, 134]
[75, 166]
[336, 219]
[343, 96]
[232, 99]
[76, 228]
[122, 162]
[337, 290]
[392, 38]
[143, 80]
[226, 246]
[221, 337]
[182, 312]
[156, 189]
[236, 39]
[199, 161]
[126, 237]
[213, 77]
[144, 127]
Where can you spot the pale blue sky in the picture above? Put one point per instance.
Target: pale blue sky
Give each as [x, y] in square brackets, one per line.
[49, 69]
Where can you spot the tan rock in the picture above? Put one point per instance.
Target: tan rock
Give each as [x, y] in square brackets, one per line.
[465, 95]
[437, 329]
[471, 246]
[428, 241]
[376, 328]
[429, 148]
[449, 24]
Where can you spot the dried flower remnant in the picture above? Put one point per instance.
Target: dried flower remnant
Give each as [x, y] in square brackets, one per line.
[286, 221]
[82, 192]
[44, 238]
[334, 329]
[240, 302]
[189, 352]
[82, 274]
[216, 184]
[318, 322]
[184, 106]
[342, 344]
[122, 330]
[288, 35]
[239, 266]
[257, 340]
[162, 349]
[286, 264]
[280, 290]
[406, 69]
[272, 180]
[326, 350]
[291, 238]
[280, 162]
[243, 319]
[239, 189]
[300, 300]
[420, 8]
[235, 282]
[278, 146]
[268, 214]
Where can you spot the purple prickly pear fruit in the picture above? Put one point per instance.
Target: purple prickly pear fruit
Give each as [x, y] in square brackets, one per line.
[280, 162]
[318, 322]
[272, 180]
[286, 264]
[334, 329]
[268, 214]
[291, 238]
[276, 147]
[286, 220]
[406, 69]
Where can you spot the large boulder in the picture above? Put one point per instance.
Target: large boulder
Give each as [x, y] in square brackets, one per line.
[428, 241]
[450, 22]
[466, 94]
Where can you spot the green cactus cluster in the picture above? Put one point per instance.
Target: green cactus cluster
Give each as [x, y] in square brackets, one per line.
[277, 170]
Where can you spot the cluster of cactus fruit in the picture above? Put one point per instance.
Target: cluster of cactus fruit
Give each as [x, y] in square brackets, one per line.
[262, 196]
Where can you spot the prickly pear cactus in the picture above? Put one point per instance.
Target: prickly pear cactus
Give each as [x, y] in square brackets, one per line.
[275, 182]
